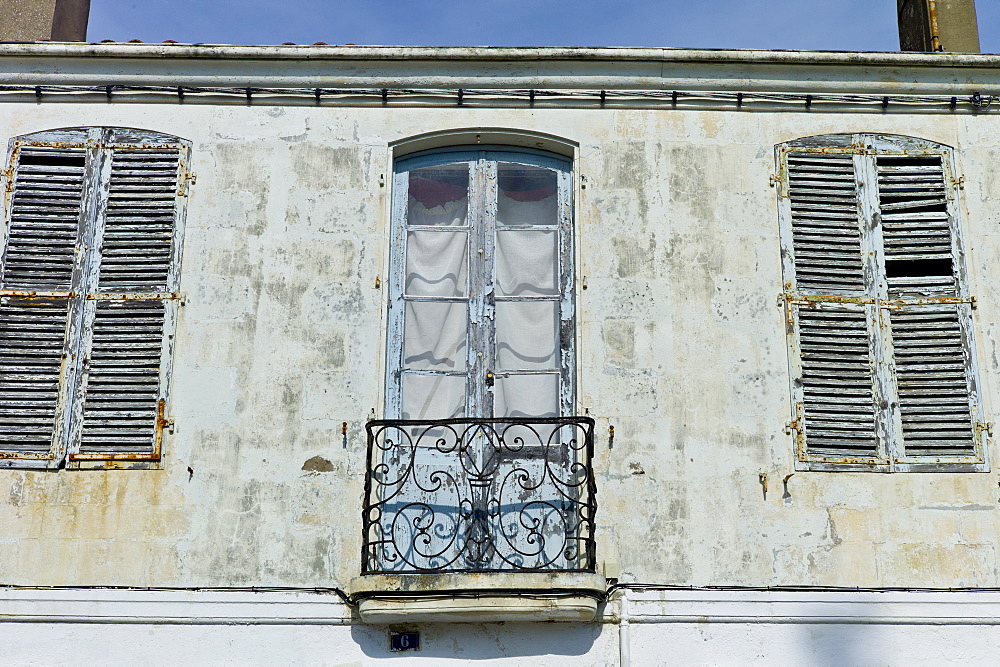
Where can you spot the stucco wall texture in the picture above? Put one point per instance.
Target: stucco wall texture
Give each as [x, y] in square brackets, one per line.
[681, 346]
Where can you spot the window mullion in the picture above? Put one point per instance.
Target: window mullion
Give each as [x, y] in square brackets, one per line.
[397, 308]
[567, 305]
[482, 215]
[84, 281]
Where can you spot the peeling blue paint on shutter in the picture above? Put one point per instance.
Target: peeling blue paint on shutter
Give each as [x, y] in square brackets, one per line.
[916, 228]
[122, 387]
[879, 315]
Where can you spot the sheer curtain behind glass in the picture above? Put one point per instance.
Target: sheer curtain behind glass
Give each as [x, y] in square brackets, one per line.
[480, 298]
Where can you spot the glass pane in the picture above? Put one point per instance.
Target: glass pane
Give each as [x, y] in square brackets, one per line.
[526, 396]
[439, 195]
[435, 336]
[527, 195]
[433, 396]
[526, 334]
[527, 263]
[436, 263]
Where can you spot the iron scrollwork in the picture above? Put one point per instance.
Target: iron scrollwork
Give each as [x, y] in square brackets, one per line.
[481, 495]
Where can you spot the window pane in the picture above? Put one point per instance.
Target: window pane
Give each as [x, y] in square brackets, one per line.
[435, 336]
[527, 263]
[433, 396]
[436, 263]
[527, 195]
[526, 396]
[526, 334]
[439, 195]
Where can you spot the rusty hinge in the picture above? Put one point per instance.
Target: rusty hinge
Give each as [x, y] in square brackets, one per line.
[187, 180]
[162, 421]
[958, 182]
[984, 427]
[8, 176]
[796, 424]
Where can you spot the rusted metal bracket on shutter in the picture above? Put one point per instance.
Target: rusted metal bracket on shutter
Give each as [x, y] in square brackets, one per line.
[984, 427]
[958, 182]
[134, 296]
[37, 294]
[798, 425]
[8, 176]
[186, 179]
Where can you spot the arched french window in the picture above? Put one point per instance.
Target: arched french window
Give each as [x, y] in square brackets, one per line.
[481, 311]
[480, 464]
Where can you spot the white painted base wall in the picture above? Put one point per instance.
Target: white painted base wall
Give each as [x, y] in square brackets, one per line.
[81, 626]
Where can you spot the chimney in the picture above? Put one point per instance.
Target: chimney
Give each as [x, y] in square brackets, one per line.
[32, 20]
[938, 25]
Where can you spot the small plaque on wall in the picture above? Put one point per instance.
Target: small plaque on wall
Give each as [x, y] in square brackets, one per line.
[404, 641]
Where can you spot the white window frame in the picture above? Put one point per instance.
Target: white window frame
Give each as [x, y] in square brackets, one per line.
[875, 302]
[480, 365]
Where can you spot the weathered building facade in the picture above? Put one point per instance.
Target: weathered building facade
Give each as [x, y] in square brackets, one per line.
[747, 303]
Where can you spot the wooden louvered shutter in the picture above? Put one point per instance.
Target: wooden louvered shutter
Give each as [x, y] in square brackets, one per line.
[834, 385]
[39, 265]
[935, 385]
[932, 343]
[916, 226]
[883, 358]
[826, 238]
[125, 374]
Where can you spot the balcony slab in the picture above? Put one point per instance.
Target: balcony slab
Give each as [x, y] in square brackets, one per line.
[479, 597]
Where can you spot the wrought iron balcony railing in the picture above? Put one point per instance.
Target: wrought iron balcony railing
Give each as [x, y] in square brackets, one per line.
[479, 495]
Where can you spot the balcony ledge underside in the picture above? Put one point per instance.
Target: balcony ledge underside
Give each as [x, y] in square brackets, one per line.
[478, 597]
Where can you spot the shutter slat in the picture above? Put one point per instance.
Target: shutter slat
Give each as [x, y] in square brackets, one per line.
[933, 386]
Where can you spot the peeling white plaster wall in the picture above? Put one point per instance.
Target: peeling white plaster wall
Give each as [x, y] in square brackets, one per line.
[681, 348]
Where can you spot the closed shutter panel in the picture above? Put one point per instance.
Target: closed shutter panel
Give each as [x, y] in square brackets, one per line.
[124, 392]
[37, 274]
[139, 226]
[32, 343]
[122, 397]
[836, 383]
[915, 225]
[932, 365]
[45, 218]
[825, 232]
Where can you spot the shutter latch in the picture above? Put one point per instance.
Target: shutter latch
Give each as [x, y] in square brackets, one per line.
[162, 421]
[187, 180]
[798, 426]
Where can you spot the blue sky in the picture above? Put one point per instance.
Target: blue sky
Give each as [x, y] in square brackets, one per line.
[845, 25]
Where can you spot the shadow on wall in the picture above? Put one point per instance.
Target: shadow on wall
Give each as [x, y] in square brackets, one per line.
[842, 643]
[483, 641]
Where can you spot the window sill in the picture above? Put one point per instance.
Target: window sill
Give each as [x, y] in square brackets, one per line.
[479, 597]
